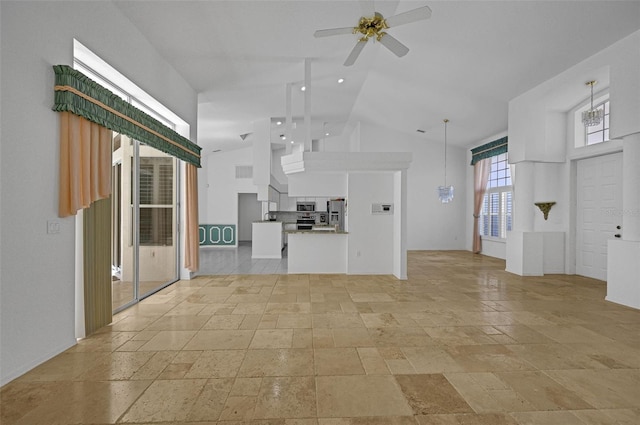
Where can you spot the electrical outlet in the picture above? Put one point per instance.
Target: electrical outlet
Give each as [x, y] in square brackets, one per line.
[53, 227]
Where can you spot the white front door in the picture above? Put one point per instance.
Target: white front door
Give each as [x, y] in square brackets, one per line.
[599, 212]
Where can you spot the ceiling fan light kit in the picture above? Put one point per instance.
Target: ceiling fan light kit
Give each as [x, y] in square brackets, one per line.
[373, 27]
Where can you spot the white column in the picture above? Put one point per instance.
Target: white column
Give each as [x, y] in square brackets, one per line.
[623, 255]
[525, 255]
[261, 140]
[288, 123]
[400, 224]
[523, 208]
[631, 188]
[307, 105]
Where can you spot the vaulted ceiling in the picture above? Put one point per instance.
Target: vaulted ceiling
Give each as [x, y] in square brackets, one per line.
[465, 63]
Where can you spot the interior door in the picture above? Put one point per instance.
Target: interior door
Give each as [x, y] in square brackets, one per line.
[599, 212]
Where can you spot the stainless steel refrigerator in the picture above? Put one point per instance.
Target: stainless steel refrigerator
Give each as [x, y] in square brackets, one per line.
[335, 209]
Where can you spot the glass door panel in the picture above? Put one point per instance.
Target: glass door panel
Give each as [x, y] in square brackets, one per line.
[157, 215]
[123, 276]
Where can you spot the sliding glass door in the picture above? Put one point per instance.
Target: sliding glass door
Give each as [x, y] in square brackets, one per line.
[123, 274]
[144, 217]
[157, 218]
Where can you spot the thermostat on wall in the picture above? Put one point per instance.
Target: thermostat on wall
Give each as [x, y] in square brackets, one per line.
[381, 209]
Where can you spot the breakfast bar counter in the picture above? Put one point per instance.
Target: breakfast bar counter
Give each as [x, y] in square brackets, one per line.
[317, 251]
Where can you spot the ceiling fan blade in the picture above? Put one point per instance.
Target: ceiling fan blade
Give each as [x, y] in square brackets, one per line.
[410, 16]
[367, 7]
[355, 52]
[333, 31]
[394, 45]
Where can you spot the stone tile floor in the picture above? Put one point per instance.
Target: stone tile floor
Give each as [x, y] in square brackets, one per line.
[460, 342]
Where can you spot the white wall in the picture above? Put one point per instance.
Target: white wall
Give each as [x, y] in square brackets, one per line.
[370, 247]
[549, 156]
[223, 187]
[37, 271]
[430, 224]
[317, 184]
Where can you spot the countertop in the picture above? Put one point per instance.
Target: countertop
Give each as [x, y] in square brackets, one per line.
[268, 221]
[317, 232]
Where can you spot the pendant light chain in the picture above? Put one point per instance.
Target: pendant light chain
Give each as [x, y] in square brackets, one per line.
[445, 193]
[445, 150]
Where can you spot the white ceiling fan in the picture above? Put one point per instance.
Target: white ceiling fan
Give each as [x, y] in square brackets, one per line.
[372, 25]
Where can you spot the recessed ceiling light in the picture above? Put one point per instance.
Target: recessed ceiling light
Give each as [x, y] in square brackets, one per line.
[326, 134]
[279, 123]
[340, 80]
[292, 142]
[283, 137]
[303, 88]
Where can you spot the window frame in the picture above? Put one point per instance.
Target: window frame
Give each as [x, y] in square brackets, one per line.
[499, 184]
[605, 125]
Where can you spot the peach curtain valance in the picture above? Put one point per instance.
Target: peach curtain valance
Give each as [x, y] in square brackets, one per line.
[78, 94]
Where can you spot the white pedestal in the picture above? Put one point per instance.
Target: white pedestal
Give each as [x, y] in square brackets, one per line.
[525, 253]
[317, 253]
[623, 272]
[266, 239]
[535, 253]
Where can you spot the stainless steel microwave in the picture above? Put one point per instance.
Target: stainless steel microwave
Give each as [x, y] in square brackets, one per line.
[305, 206]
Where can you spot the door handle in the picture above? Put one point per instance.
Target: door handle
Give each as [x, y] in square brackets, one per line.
[617, 235]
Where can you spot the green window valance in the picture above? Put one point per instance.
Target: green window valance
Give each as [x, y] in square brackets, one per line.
[490, 149]
[78, 94]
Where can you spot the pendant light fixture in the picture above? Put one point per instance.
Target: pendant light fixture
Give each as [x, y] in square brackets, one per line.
[592, 116]
[445, 193]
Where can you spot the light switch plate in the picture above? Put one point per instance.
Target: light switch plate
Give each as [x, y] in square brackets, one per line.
[53, 227]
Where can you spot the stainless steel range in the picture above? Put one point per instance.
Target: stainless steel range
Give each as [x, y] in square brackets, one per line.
[306, 221]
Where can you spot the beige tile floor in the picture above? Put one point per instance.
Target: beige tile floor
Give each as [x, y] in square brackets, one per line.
[460, 342]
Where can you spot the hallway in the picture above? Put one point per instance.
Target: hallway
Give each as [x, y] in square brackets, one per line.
[460, 342]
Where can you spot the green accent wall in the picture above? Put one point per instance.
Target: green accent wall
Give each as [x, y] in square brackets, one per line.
[217, 234]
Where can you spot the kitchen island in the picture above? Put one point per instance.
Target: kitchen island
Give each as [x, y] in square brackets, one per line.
[266, 239]
[317, 251]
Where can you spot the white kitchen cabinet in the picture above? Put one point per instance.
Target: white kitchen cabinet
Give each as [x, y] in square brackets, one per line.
[274, 195]
[284, 201]
[321, 204]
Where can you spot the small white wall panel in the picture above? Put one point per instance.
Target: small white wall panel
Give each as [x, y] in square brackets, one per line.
[623, 273]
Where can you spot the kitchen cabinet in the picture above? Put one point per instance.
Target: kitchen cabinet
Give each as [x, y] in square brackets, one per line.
[286, 203]
[321, 204]
[274, 195]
